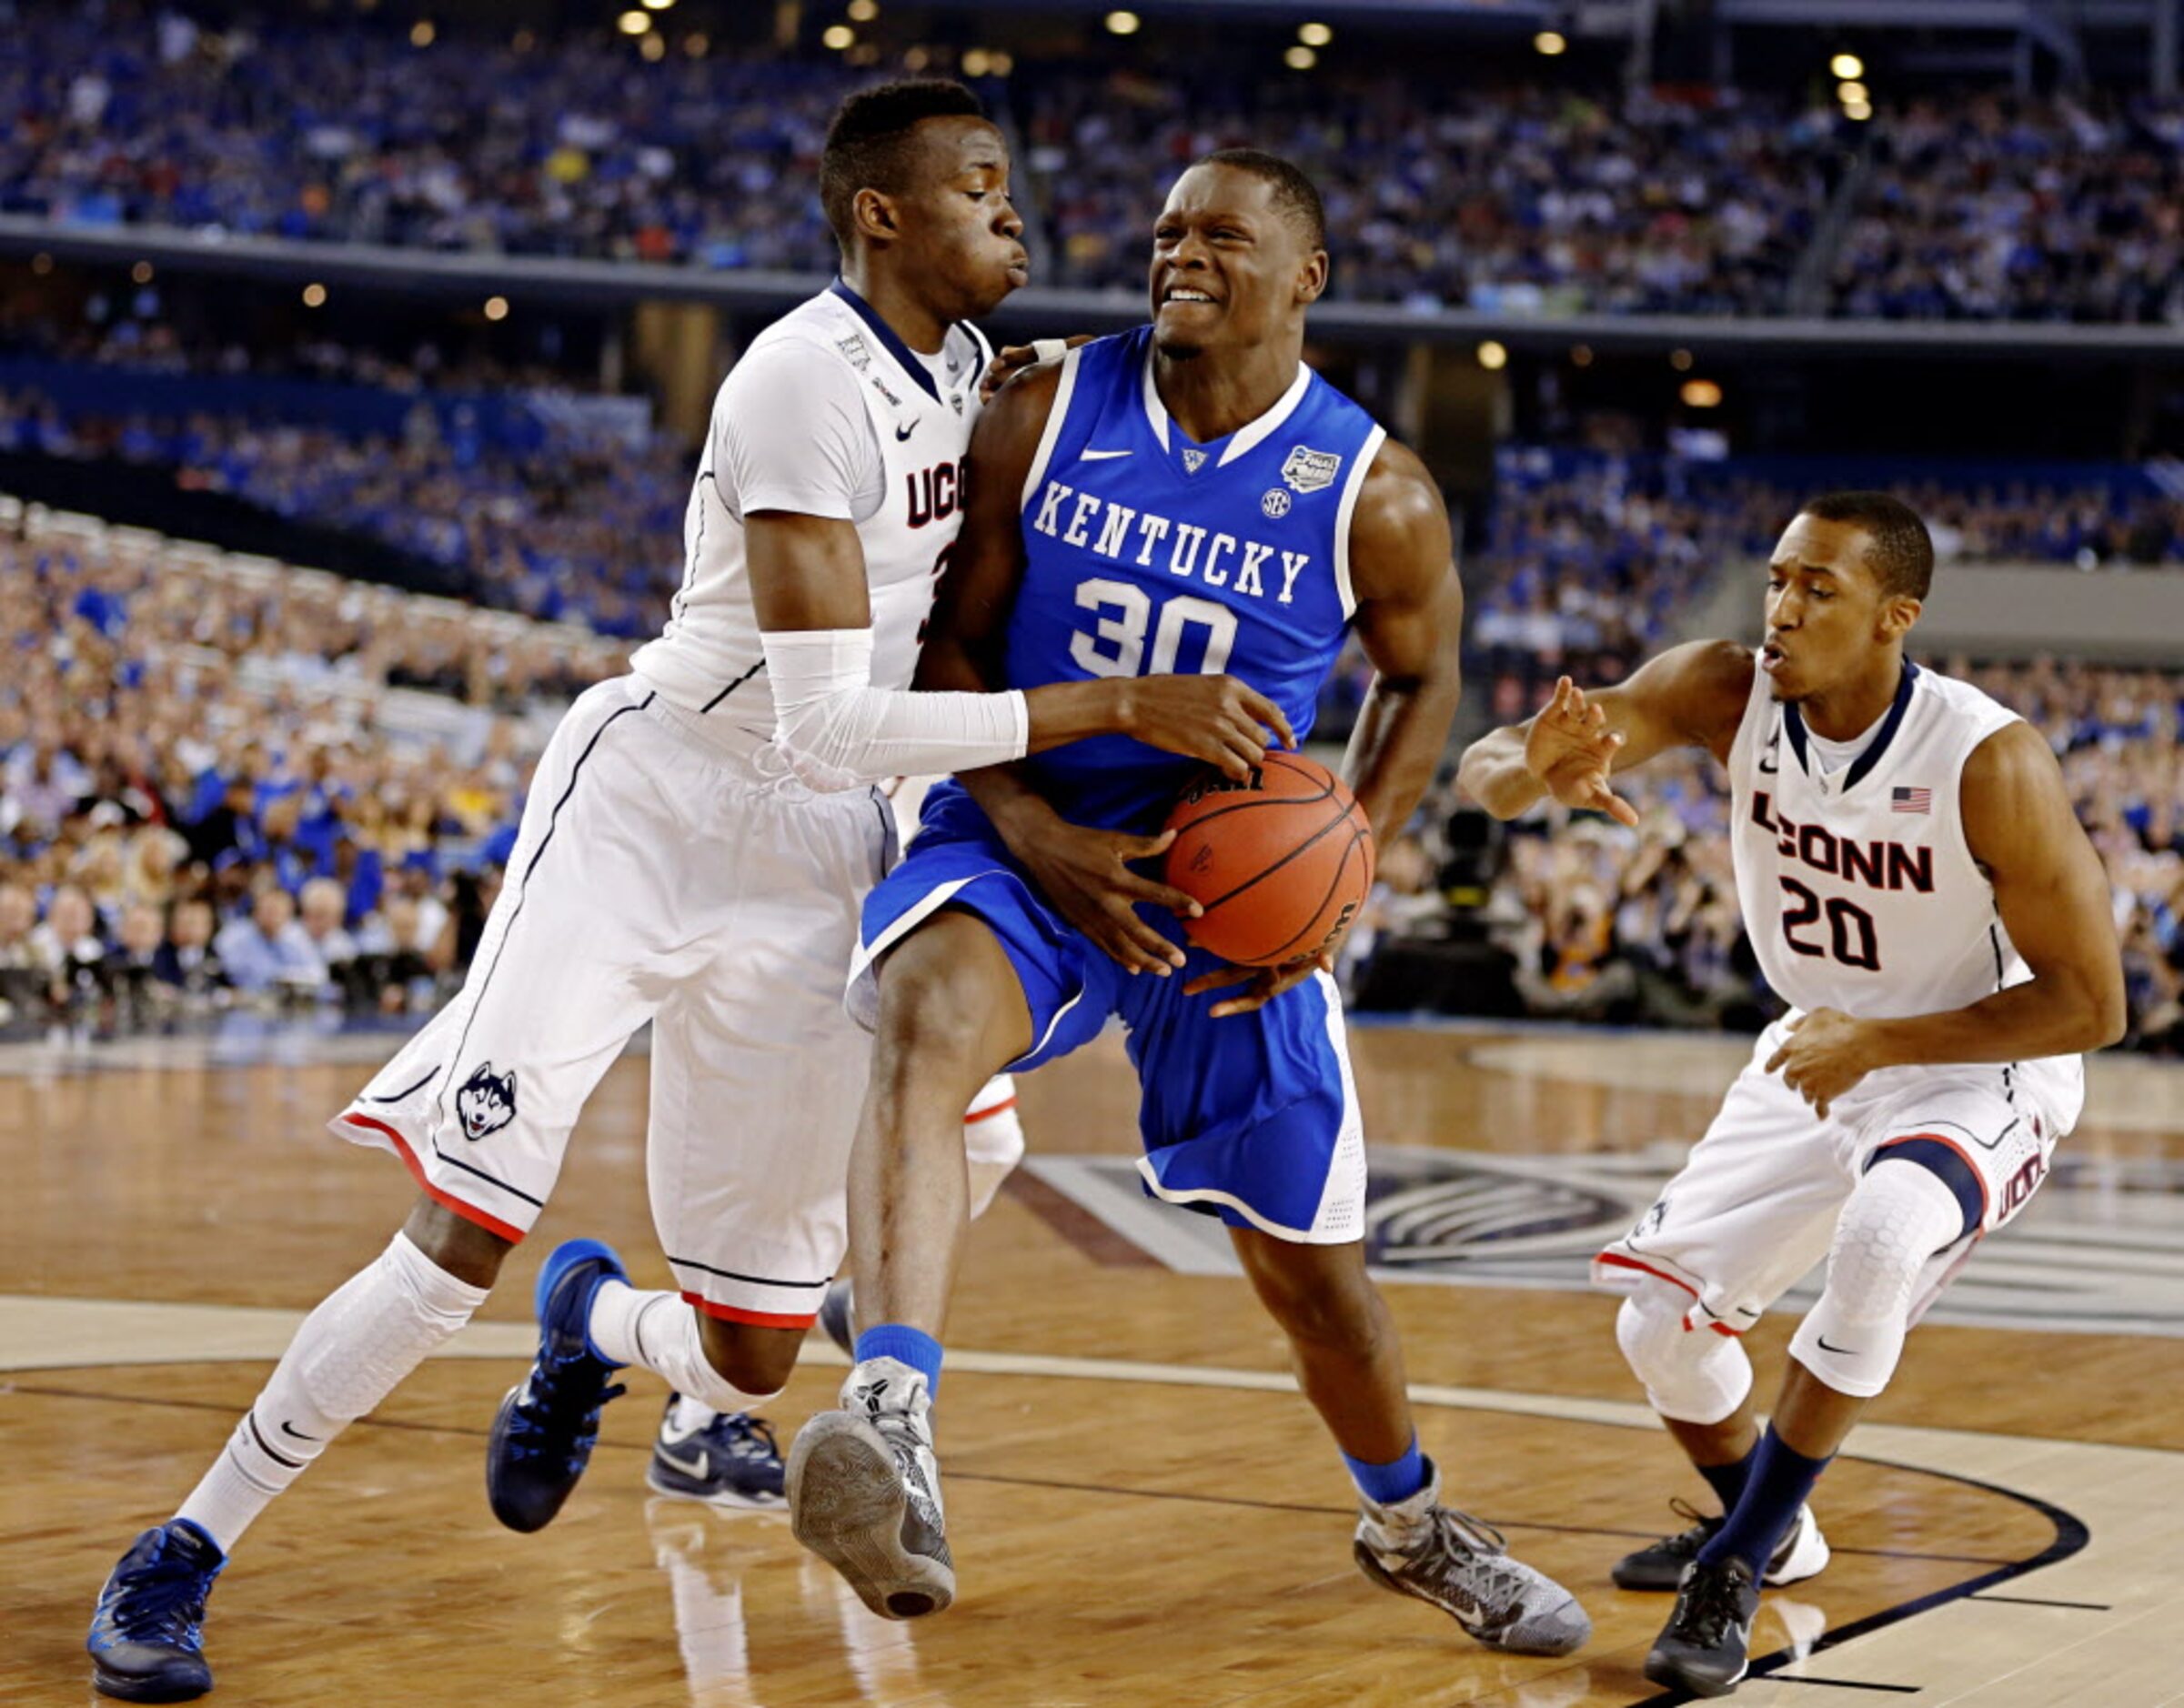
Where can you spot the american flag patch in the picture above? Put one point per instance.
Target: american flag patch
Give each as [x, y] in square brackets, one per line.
[1911, 799]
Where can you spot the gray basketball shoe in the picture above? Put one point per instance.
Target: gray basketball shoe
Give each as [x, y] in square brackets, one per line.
[864, 1493]
[1419, 1547]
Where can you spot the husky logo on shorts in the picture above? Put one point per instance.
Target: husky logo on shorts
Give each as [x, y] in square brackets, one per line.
[1650, 1222]
[486, 1103]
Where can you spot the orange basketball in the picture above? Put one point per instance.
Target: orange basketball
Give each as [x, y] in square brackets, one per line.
[1279, 863]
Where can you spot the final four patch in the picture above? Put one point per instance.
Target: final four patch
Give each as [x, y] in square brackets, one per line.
[1308, 470]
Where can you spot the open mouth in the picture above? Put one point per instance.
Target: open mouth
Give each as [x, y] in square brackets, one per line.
[1772, 658]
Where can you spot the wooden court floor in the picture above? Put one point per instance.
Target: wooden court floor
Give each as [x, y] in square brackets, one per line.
[1142, 1510]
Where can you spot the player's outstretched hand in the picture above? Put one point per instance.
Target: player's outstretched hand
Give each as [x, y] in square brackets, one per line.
[1571, 750]
[1826, 1053]
[1086, 874]
[1012, 359]
[1215, 718]
[1264, 983]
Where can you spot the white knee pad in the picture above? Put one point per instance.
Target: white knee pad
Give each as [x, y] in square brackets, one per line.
[992, 1139]
[1693, 1375]
[1898, 1218]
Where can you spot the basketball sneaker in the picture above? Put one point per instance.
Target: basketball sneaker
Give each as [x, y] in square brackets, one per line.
[545, 1430]
[864, 1493]
[1703, 1647]
[731, 1460]
[1800, 1554]
[1419, 1547]
[148, 1637]
[837, 1314]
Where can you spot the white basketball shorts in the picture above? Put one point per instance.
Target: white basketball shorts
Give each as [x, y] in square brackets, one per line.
[1755, 1208]
[658, 877]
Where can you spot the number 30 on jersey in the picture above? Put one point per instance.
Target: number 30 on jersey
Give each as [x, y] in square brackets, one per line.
[1123, 615]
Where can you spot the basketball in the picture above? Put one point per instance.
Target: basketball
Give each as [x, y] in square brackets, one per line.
[1279, 863]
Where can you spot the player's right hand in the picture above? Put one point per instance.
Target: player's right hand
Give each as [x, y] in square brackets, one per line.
[1086, 875]
[1571, 750]
[1215, 718]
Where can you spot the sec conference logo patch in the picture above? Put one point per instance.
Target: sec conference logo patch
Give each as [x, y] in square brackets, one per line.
[1275, 503]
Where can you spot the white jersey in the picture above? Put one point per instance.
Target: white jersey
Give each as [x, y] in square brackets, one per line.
[1857, 887]
[784, 435]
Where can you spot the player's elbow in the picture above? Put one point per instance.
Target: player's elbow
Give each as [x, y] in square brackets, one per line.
[2108, 1014]
[1476, 775]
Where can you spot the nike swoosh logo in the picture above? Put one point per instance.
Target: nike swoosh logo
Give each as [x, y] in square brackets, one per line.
[1099, 457]
[902, 433]
[700, 1468]
[1846, 1351]
[288, 1428]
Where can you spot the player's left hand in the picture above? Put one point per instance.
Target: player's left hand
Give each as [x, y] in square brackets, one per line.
[1012, 359]
[1265, 983]
[1825, 1054]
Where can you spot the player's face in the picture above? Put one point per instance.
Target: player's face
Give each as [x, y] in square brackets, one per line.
[1825, 613]
[957, 226]
[1228, 267]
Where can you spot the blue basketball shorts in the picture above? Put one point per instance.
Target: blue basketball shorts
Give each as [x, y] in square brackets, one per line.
[1252, 1118]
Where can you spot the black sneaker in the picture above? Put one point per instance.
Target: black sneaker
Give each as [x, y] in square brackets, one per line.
[1703, 1647]
[545, 1430]
[1800, 1554]
[864, 1493]
[148, 1637]
[732, 1462]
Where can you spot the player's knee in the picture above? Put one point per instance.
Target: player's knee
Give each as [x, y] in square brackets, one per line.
[1898, 1220]
[750, 1361]
[462, 1248]
[932, 1010]
[1318, 1297]
[1693, 1375]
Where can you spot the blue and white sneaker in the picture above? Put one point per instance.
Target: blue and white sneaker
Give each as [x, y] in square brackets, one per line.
[148, 1637]
[726, 1458]
[837, 1314]
[545, 1430]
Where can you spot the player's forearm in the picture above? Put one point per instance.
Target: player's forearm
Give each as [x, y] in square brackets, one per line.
[1056, 713]
[2056, 1014]
[1402, 732]
[1493, 773]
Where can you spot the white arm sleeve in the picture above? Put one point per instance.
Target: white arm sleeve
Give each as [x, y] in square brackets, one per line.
[838, 731]
[790, 432]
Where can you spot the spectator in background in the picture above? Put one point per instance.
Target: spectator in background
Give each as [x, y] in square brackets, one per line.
[187, 964]
[269, 951]
[69, 951]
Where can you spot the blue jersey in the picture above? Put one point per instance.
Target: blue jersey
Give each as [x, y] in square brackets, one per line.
[1149, 554]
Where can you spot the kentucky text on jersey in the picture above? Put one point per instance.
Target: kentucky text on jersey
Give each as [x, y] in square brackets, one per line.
[1147, 553]
[1878, 863]
[1213, 555]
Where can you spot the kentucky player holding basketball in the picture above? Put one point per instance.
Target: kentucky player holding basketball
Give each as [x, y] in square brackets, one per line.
[693, 853]
[1916, 886]
[1188, 497]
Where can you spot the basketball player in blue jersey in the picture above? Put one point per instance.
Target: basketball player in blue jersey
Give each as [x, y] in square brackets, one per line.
[1918, 888]
[1189, 496]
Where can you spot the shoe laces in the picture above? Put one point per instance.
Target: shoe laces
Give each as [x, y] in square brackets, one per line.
[1708, 1606]
[561, 1400]
[1457, 1543]
[741, 1436]
[162, 1600]
[1685, 1543]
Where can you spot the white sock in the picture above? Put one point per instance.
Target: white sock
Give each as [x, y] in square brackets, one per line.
[347, 1356]
[658, 1332]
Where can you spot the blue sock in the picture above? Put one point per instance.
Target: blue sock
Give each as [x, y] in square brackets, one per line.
[1780, 1481]
[1384, 1485]
[1727, 1481]
[910, 1346]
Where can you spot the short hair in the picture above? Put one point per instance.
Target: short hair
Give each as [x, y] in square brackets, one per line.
[868, 142]
[1295, 196]
[1898, 549]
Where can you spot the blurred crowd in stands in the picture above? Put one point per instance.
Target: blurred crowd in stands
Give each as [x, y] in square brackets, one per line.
[1546, 200]
[221, 788]
[1573, 915]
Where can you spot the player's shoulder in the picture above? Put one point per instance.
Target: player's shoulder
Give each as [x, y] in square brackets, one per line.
[1954, 697]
